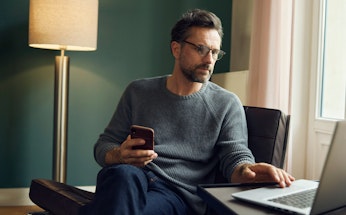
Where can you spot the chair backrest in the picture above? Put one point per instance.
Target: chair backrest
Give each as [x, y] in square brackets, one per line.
[267, 136]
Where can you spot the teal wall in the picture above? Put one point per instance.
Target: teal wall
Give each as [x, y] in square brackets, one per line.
[133, 42]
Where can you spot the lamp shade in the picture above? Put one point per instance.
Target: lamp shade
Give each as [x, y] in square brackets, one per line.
[63, 24]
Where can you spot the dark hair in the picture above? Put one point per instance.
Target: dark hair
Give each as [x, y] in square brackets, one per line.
[195, 18]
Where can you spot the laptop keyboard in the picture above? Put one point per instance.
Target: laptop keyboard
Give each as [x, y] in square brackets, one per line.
[300, 200]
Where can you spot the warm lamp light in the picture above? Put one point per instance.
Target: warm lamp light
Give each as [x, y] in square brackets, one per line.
[62, 25]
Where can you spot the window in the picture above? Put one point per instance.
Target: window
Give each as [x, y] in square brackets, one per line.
[333, 73]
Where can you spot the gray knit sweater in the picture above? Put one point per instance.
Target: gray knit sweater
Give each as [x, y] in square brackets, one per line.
[194, 134]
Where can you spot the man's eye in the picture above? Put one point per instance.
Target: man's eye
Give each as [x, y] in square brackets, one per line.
[202, 49]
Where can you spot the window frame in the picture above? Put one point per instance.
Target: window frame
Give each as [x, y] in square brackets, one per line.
[321, 64]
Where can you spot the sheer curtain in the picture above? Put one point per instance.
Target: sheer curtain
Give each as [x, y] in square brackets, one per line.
[269, 81]
[270, 55]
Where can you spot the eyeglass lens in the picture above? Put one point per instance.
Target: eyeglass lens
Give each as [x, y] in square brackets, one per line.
[204, 50]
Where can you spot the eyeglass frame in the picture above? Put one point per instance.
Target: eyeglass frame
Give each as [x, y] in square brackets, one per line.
[202, 50]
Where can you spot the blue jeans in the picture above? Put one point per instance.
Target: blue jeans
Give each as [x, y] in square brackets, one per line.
[127, 190]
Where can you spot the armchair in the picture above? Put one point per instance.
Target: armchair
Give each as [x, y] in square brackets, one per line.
[267, 133]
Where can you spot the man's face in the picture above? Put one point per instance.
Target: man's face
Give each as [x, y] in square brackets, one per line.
[195, 66]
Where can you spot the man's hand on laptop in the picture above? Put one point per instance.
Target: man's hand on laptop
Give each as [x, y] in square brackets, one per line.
[261, 172]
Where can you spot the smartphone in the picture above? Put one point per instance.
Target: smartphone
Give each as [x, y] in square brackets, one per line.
[145, 133]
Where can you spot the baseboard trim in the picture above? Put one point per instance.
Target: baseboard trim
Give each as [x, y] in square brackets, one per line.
[20, 196]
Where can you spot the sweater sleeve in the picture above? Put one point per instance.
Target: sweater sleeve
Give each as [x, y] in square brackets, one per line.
[233, 139]
[117, 130]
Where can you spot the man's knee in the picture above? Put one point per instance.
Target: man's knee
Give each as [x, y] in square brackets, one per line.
[120, 172]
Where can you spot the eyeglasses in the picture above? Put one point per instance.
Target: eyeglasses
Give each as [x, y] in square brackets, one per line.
[204, 50]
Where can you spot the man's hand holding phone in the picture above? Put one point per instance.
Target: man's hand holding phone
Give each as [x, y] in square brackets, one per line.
[136, 150]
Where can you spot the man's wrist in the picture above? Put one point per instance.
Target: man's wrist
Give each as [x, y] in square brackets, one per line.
[238, 172]
[114, 156]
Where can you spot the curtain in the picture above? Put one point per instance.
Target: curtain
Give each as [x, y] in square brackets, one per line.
[270, 55]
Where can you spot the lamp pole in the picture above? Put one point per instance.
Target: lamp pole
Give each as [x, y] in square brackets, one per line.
[61, 92]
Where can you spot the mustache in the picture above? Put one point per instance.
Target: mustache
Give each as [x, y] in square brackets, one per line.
[204, 66]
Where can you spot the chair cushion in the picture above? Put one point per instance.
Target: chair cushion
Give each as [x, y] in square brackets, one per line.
[58, 198]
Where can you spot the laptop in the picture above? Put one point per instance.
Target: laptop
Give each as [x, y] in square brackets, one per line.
[326, 195]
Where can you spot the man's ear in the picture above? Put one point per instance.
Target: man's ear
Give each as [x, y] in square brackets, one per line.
[175, 49]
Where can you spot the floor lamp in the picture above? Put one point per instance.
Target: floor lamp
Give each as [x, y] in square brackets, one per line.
[62, 25]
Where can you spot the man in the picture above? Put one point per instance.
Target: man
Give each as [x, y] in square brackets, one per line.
[198, 126]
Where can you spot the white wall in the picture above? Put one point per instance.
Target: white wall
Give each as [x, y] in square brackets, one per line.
[236, 80]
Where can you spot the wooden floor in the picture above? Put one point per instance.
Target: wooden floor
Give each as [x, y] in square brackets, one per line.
[18, 210]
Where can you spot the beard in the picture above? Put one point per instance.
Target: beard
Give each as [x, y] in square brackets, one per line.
[193, 75]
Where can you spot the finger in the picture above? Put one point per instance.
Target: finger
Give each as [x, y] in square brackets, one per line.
[140, 163]
[288, 179]
[127, 143]
[282, 178]
[139, 156]
[135, 142]
[285, 178]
